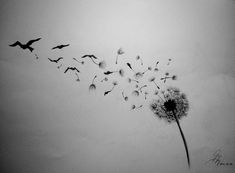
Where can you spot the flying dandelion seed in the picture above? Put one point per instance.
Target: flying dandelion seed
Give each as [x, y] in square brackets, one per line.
[130, 80]
[119, 52]
[174, 77]
[152, 79]
[172, 107]
[135, 93]
[156, 69]
[133, 107]
[78, 79]
[145, 95]
[59, 66]
[124, 97]
[105, 79]
[102, 64]
[169, 60]
[140, 89]
[136, 107]
[121, 72]
[81, 62]
[136, 86]
[148, 69]
[138, 58]
[114, 84]
[92, 86]
[138, 75]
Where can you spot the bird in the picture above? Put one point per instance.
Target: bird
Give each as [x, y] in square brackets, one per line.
[60, 46]
[56, 60]
[90, 56]
[71, 68]
[25, 46]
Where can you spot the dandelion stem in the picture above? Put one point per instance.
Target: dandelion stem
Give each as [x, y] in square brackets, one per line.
[184, 140]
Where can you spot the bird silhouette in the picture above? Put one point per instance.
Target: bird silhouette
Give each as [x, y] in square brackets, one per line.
[90, 56]
[56, 60]
[25, 46]
[60, 46]
[72, 68]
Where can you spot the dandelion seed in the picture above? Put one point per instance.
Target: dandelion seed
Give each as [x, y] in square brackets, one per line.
[124, 97]
[119, 52]
[114, 84]
[138, 75]
[145, 95]
[152, 79]
[174, 77]
[148, 69]
[92, 86]
[130, 80]
[59, 66]
[136, 86]
[133, 107]
[138, 58]
[81, 62]
[105, 79]
[129, 65]
[135, 93]
[121, 72]
[78, 79]
[156, 69]
[102, 64]
[172, 108]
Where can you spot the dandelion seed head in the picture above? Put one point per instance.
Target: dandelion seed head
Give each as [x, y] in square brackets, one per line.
[174, 102]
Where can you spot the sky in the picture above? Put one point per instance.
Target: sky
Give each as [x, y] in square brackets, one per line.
[52, 123]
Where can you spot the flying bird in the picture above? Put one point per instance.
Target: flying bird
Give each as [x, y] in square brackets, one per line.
[72, 68]
[25, 46]
[90, 56]
[60, 46]
[55, 60]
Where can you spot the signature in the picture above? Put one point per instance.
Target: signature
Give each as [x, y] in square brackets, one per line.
[217, 159]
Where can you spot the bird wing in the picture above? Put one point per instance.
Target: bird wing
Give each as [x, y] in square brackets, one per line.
[50, 60]
[15, 44]
[32, 41]
[56, 47]
[93, 56]
[84, 56]
[67, 69]
[77, 70]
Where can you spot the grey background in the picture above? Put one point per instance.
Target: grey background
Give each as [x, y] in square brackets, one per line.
[51, 123]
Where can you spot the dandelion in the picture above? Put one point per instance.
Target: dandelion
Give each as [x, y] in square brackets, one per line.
[152, 79]
[138, 58]
[119, 52]
[172, 107]
[114, 84]
[124, 97]
[92, 86]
